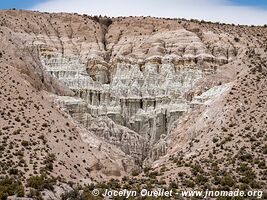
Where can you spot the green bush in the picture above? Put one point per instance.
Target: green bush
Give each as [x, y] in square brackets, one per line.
[135, 173]
[48, 161]
[200, 179]
[41, 182]
[9, 187]
[264, 149]
[25, 143]
[189, 183]
[249, 176]
[227, 180]
[195, 169]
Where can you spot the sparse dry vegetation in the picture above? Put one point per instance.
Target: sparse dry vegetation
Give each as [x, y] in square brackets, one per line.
[41, 146]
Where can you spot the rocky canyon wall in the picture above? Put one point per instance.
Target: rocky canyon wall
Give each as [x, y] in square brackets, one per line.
[131, 78]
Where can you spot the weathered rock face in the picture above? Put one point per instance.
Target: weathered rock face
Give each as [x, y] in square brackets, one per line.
[127, 140]
[135, 81]
[146, 99]
[137, 73]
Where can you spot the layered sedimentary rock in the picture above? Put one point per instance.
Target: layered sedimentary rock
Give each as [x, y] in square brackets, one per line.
[144, 89]
[137, 72]
[127, 140]
[146, 99]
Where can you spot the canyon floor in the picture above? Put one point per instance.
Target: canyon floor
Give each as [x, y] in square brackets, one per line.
[129, 103]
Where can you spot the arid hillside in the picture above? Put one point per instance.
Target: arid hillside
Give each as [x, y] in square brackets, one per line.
[129, 102]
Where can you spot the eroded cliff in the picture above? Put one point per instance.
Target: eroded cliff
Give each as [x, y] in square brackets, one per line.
[137, 88]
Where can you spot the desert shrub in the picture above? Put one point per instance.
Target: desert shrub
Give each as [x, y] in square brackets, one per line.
[72, 195]
[41, 182]
[45, 125]
[25, 143]
[216, 180]
[135, 173]
[214, 140]
[147, 169]
[189, 183]
[195, 169]
[113, 184]
[243, 168]
[173, 185]
[9, 187]
[13, 171]
[200, 179]
[35, 194]
[244, 156]
[17, 119]
[48, 161]
[153, 175]
[264, 149]
[2, 148]
[227, 180]
[236, 39]
[224, 129]
[248, 176]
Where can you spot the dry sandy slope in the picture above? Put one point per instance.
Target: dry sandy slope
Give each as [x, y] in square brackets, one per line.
[32, 129]
[226, 138]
